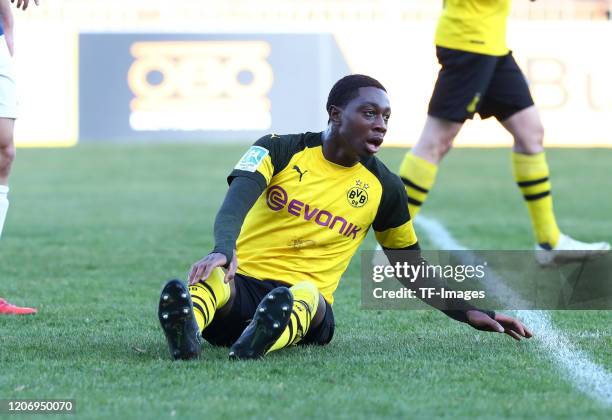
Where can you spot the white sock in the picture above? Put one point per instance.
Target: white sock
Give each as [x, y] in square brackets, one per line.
[4, 205]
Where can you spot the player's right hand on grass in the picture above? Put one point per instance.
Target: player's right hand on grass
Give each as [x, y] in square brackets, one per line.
[202, 268]
[502, 324]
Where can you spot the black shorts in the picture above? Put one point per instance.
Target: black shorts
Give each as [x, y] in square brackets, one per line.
[469, 83]
[249, 292]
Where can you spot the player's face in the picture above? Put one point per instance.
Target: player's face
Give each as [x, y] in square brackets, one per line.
[364, 121]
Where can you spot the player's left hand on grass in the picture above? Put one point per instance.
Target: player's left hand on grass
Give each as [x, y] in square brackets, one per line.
[502, 324]
[23, 4]
[202, 268]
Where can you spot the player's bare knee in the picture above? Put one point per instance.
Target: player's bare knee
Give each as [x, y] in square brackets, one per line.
[530, 142]
[444, 147]
[439, 147]
[7, 155]
[433, 147]
[538, 136]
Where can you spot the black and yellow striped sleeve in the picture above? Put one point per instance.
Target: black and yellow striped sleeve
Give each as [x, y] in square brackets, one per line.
[392, 226]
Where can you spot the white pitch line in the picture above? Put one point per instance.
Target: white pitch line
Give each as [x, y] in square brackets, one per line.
[589, 377]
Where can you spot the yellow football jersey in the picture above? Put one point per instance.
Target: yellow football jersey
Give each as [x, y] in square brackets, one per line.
[313, 214]
[477, 26]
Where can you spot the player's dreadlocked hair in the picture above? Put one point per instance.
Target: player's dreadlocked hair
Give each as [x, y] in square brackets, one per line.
[346, 89]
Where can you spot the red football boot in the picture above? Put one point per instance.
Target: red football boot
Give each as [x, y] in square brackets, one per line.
[9, 309]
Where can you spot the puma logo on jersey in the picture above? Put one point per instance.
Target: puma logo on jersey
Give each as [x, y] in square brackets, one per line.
[299, 171]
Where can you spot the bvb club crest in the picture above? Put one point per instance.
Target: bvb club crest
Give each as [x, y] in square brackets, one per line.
[358, 196]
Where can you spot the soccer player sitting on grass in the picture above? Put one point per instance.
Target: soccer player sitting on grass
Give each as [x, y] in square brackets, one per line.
[297, 208]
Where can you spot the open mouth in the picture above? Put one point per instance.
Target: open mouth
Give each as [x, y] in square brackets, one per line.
[373, 144]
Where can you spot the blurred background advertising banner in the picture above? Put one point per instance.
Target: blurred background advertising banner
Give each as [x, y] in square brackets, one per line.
[569, 76]
[202, 87]
[144, 71]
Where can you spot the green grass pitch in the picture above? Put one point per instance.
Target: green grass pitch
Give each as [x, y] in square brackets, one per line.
[94, 231]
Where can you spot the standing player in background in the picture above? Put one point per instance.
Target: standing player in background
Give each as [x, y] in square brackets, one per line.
[479, 75]
[8, 113]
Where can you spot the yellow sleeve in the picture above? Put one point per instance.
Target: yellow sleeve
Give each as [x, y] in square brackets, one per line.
[399, 237]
